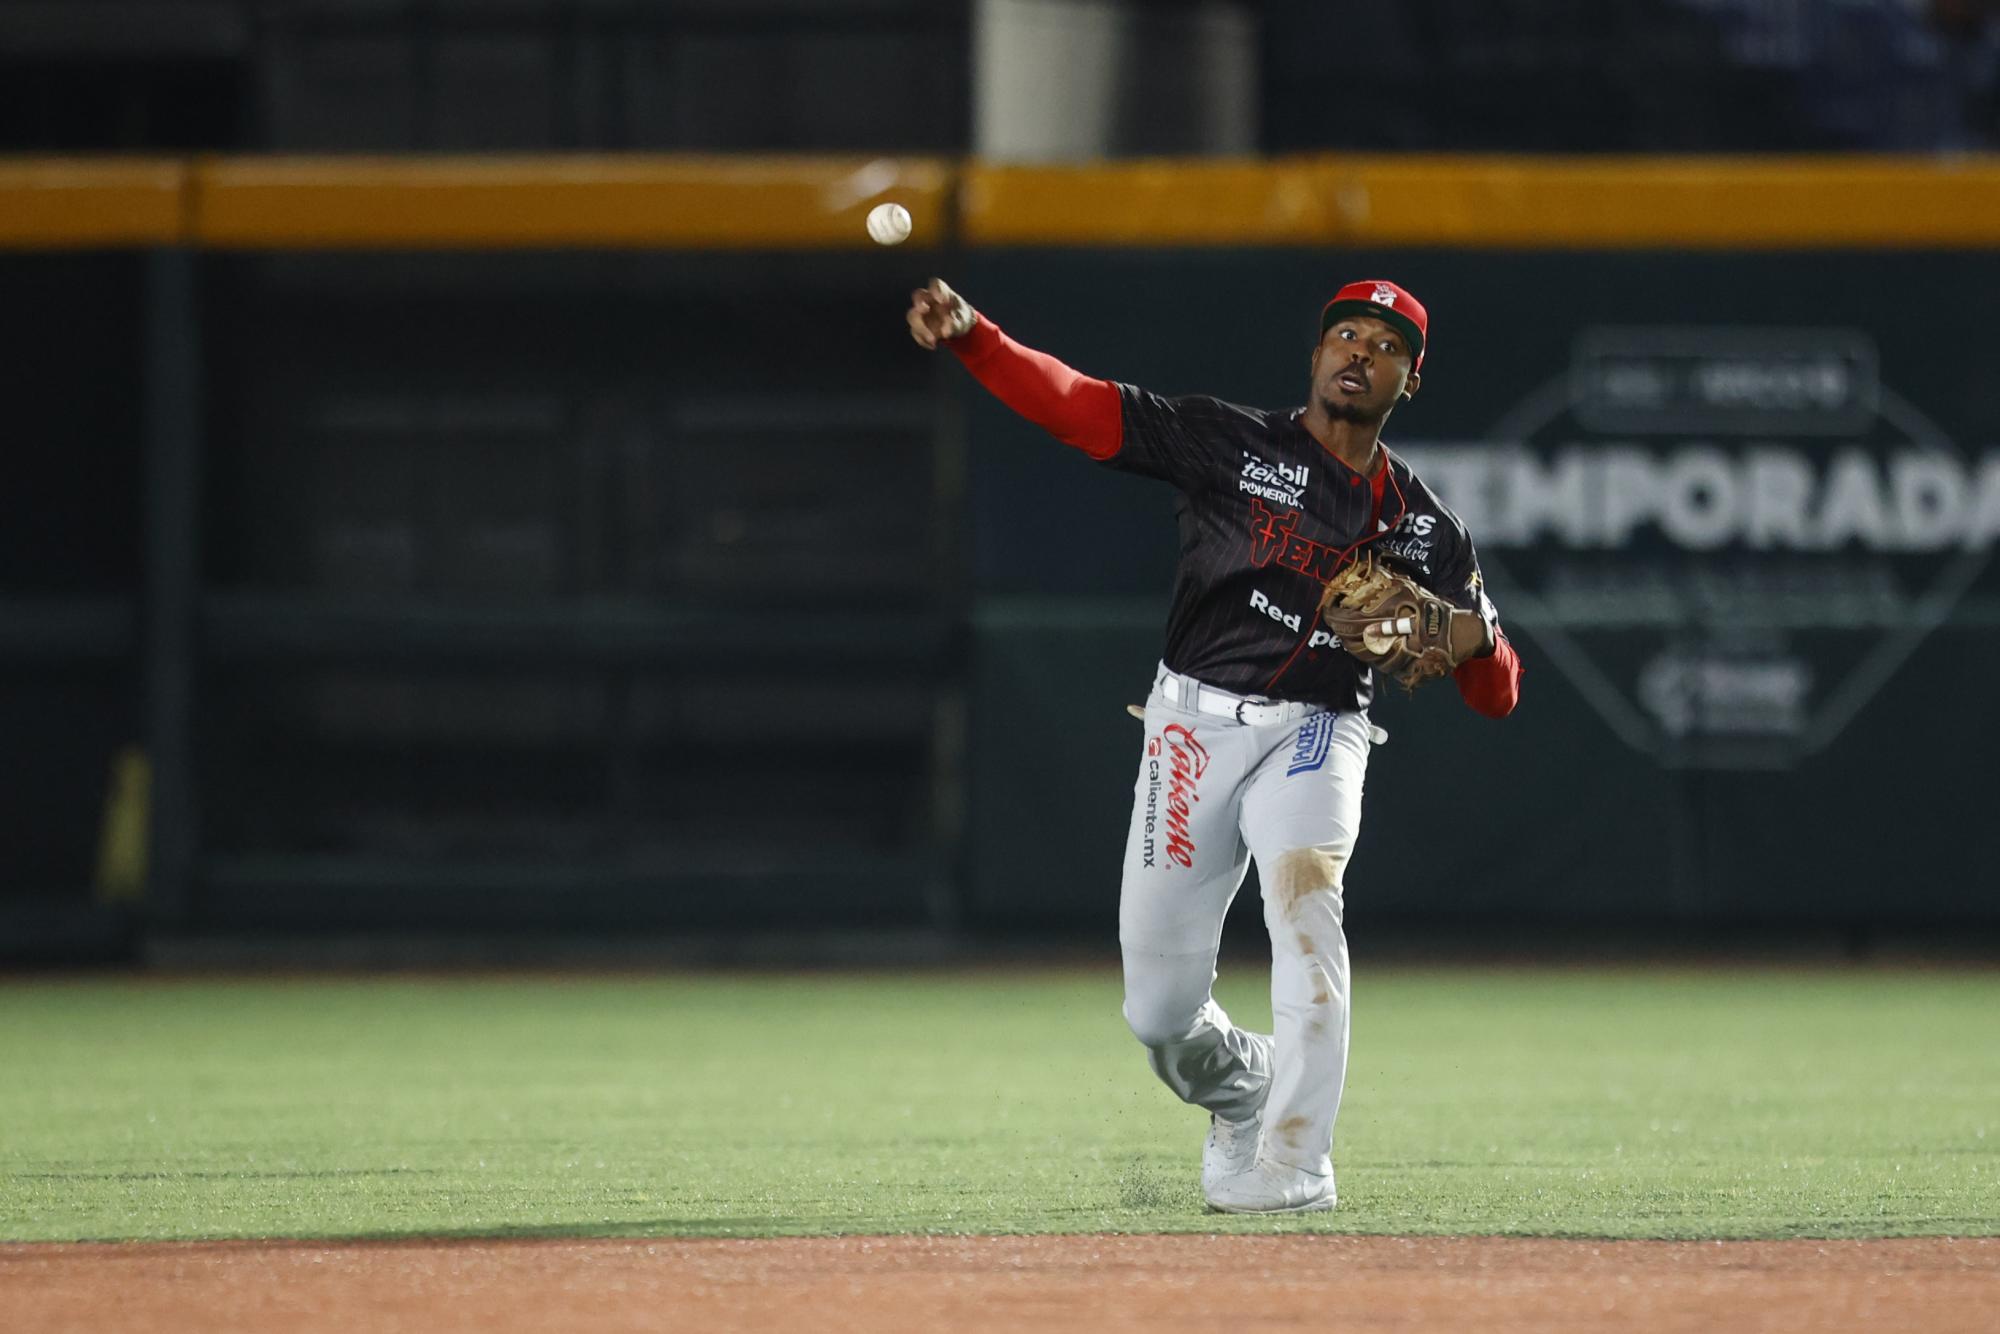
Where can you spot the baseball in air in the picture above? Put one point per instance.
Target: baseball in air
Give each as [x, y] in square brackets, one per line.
[889, 224]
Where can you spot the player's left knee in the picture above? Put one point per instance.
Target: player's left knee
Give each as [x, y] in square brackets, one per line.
[1305, 876]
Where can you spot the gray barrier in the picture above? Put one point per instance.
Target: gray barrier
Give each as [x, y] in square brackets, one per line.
[546, 591]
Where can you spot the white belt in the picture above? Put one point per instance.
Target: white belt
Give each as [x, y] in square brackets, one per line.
[1187, 693]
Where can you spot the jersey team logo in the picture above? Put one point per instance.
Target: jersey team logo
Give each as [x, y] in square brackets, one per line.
[1729, 540]
[1274, 538]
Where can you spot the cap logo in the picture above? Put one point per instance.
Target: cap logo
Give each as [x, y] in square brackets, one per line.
[1384, 295]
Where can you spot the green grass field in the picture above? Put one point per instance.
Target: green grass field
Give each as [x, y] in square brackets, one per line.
[1649, 1103]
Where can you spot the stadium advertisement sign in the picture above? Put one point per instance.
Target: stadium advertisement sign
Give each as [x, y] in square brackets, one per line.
[1728, 539]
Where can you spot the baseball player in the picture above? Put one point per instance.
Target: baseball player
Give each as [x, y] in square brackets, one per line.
[1311, 560]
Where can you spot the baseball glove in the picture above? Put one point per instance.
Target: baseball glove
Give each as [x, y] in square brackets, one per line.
[1396, 625]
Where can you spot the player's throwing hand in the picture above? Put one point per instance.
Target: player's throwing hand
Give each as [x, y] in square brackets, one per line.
[938, 314]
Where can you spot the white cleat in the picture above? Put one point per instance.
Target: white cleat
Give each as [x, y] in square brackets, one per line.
[1231, 1148]
[1272, 1188]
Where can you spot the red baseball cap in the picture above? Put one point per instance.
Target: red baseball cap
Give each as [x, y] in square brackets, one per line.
[1387, 303]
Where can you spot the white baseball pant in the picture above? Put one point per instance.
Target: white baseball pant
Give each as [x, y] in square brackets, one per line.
[1212, 793]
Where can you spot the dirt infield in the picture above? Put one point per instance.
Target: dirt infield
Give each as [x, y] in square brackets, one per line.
[1048, 1284]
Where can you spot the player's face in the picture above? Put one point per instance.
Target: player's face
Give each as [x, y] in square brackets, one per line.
[1360, 369]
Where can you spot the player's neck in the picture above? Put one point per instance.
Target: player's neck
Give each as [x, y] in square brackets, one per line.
[1357, 444]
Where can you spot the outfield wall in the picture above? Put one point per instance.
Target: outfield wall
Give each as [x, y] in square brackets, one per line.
[578, 543]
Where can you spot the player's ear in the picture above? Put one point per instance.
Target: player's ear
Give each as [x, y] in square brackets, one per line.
[1411, 385]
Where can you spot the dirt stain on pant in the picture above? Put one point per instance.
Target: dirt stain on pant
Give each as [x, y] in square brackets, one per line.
[1291, 1130]
[1303, 872]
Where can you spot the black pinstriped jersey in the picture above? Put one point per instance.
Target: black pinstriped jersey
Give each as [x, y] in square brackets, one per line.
[1266, 515]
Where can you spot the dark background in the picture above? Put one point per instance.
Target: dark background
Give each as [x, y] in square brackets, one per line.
[891, 75]
[562, 595]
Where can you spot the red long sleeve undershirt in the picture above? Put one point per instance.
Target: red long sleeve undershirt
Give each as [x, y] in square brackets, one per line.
[1492, 684]
[1085, 413]
[1075, 409]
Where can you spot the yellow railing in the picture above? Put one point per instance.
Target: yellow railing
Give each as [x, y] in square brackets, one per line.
[699, 203]
[65, 203]
[707, 203]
